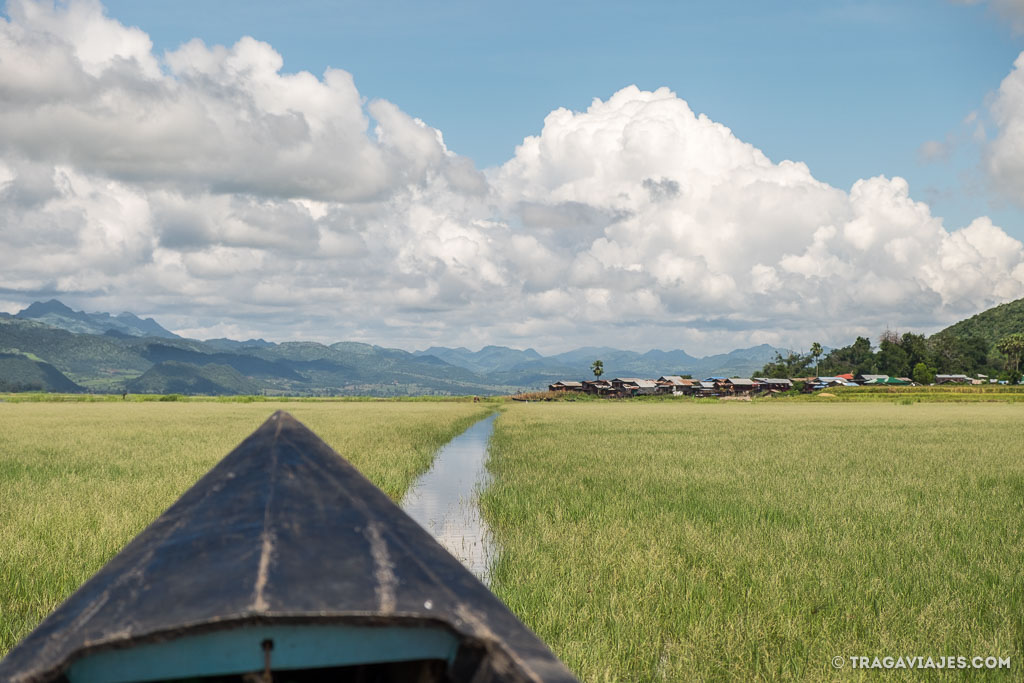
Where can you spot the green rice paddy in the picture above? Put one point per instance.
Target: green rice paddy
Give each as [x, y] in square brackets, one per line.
[78, 481]
[758, 541]
[672, 540]
[949, 393]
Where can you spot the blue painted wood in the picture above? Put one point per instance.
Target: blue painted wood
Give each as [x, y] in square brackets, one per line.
[239, 650]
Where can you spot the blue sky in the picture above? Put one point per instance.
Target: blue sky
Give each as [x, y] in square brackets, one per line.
[853, 89]
[703, 176]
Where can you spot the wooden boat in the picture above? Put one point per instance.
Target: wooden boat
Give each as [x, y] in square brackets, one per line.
[282, 563]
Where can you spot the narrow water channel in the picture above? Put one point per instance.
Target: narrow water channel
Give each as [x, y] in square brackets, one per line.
[444, 500]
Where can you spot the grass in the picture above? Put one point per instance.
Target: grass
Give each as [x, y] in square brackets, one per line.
[643, 540]
[985, 393]
[682, 541]
[52, 397]
[79, 480]
[555, 396]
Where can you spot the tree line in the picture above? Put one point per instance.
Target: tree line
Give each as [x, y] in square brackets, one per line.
[907, 355]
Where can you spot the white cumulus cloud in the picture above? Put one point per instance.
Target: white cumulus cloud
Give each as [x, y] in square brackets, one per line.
[1005, 153]
[211, 189]
[736, 237]
[79, 88]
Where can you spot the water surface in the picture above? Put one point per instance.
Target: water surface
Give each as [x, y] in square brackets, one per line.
[444, 500]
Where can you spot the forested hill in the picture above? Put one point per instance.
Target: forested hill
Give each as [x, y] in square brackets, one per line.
[991, 325]
[975, 346]
[22, 372]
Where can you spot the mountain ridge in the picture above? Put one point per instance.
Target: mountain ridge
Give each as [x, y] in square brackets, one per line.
[57, 314]
[576, 363]
[112, 363]
[100, 352]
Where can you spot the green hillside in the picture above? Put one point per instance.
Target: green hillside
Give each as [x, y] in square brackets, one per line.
[991, 325]
[19, 372]
[173, 377]
[113, 362]
[97, 361]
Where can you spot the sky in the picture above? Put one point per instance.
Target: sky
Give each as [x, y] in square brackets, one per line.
[703, 176]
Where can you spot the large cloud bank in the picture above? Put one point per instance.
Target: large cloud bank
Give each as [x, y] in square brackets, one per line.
[1006, 152]
[210, 189]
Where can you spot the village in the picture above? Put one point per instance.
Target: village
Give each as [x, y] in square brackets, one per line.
[719, 387]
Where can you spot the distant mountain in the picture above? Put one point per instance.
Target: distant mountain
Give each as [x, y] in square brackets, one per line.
[56, 314]
[99, 352]
[113, 362]
[633, 364]
[20, 372]
[223, 344]
[531, 369]
[245, 363]
[741, 362]
[991, 325]
[486, 360]
[172, 377]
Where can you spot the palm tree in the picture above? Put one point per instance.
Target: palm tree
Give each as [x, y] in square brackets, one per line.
[1012, 346]
[598, 368]
[816, 351]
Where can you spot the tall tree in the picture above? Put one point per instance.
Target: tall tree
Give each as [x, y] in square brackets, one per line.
[890, 336]
[922, 374]
[916, 347]
[856, 358]
[1012, 346]
[598, 368]
[892, 357]
[816, 352]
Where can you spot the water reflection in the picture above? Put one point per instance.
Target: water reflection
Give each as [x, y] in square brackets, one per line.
[444, 500]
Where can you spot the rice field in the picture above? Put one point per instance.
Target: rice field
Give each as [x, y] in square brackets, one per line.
[948, 393]
[672, 540]
[758, 541]
[79, 480]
